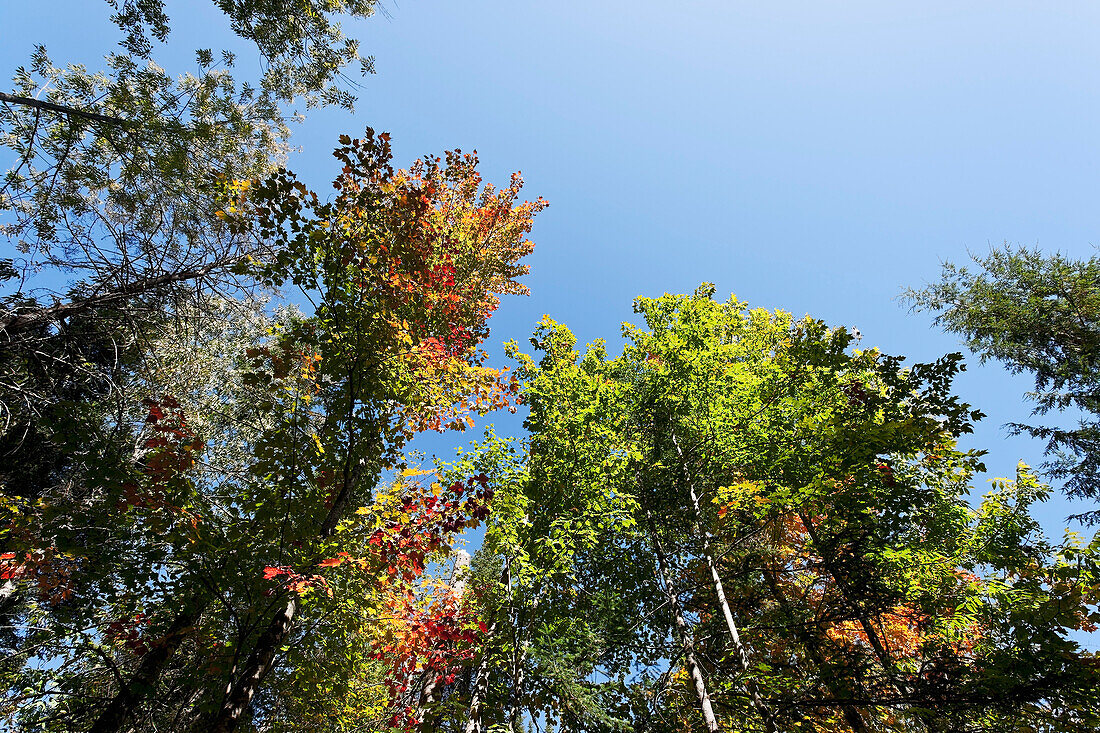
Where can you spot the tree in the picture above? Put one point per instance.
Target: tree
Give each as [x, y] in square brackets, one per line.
[847, 503]
[553, 620]
[301, 42]
[404, 269]
[800, 552]
[111, 199]
[1040, 315]
[167, 523]
[723, 397]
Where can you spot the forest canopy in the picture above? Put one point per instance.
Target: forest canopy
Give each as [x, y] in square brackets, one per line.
[213, 518]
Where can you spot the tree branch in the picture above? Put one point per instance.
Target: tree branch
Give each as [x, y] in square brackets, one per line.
[62, 109]
[24, 321]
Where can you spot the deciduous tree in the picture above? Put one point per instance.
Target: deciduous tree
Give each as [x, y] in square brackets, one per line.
[404, 269]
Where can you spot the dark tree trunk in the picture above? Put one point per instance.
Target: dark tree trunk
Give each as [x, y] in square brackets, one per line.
[40, 316]
[262, 658]
[143, 684]
[61, 109]
[256, 667]
[839, 687]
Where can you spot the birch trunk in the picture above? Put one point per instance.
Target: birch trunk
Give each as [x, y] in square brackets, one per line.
[481, 685]
[481, 678]
[741, 654]
[428, 691]
[681, 630]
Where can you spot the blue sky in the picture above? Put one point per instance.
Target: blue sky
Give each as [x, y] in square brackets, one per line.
[815, 157]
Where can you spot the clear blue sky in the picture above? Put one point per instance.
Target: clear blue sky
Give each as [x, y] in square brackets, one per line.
[816, 157]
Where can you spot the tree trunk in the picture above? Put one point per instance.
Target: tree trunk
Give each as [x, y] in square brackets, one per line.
[481, 678]
[519, 656]
[741, 654]
[256, 667]
[839, 689]
[61, 109]
[514, 721]
[429, 690]
[259, 663]
[143, 684]
[889, 665]
[481, 685]
[426, 702]
[43, 315]
[681, 630]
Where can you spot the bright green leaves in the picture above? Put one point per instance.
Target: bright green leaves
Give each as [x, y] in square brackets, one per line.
[821, 484]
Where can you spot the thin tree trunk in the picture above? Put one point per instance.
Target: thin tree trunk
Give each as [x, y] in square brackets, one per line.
[836, 688]
[40, 316]
[889, 664]
[481, 678]
[144, 682]
[481, 685]
[741, 654]
[514, 721]
[841, 581]
[681, 630]
[241, 691]
[521, 645]
[519, 658]
[61, 109]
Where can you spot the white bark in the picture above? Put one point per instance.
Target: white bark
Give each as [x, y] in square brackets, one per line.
[481, 678]
[481, 685]
[682, 632]
[741, 654]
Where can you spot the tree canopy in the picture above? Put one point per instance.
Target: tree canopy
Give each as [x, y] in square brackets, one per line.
[212, 518]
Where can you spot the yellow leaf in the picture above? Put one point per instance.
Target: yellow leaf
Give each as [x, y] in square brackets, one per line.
[414, 472]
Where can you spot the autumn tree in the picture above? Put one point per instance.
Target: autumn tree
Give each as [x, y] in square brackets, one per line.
[829, 484]
[109, 206]
[800, 553]
[404, 268]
